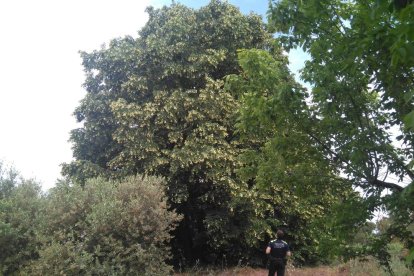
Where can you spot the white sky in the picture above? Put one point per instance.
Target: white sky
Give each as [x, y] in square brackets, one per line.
[41, 74]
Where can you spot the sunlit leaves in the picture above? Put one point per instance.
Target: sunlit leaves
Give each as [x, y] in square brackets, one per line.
[156, 105]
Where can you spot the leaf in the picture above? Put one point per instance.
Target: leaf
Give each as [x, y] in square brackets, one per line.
[409, 120]
[410, 258]
[409, 96]
[402, 52]
[391, 7]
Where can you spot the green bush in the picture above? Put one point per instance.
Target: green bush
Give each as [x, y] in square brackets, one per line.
[371, 266]
[20, 202]
[106, 228]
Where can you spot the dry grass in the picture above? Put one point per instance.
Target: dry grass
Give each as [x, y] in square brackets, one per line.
[368, 266]
[357, 267]
[317, 271]
[353, 268]
[248, 271]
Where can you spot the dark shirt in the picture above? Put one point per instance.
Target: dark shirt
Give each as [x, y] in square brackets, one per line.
[279, 248]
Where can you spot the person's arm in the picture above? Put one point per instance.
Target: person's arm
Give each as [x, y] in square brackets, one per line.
[268, 250]
[288, 253]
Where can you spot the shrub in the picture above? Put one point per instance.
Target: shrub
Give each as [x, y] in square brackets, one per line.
[106, 228]
[371, 266]
[20, 202]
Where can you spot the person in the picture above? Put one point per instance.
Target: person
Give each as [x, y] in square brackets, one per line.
[278, 251]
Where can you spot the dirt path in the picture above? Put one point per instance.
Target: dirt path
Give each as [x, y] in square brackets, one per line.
[317, 271]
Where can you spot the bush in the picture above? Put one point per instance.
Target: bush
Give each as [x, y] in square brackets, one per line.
[371, 266]
[106, 228]
[20, 202]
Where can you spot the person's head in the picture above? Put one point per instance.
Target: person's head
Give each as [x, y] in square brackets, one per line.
[279, 234]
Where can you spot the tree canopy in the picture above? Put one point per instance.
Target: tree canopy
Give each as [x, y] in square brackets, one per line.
[155, 105]
[204, 98]
[360, 109]
[160, 105]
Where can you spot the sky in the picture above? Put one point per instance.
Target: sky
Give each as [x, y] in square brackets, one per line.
[41, 74]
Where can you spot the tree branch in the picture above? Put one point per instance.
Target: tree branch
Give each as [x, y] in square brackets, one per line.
[388, 185]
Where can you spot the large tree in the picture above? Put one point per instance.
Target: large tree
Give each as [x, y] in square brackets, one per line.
[361, 69]
[158, 105]
[292, 185]
[155, 105]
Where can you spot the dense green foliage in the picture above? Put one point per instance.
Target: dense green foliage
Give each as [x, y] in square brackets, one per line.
[20, 205]
[361, 69]
[106, 228]
[155, 105]
[291, 180]
[228, 147]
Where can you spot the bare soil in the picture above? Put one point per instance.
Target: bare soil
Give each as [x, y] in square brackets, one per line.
[247, 271]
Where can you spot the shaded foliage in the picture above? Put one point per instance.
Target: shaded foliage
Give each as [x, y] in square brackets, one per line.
[361, 70]
[291, 184]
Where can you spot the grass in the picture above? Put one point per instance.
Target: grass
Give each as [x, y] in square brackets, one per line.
[370, 266]
[354, 268]
[357, 267]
